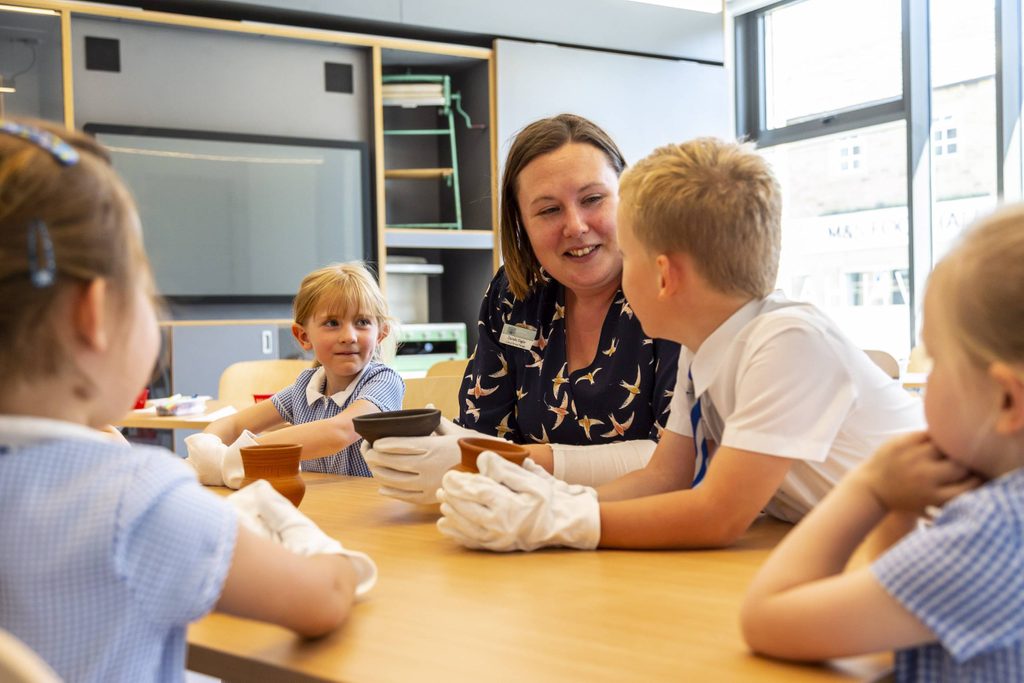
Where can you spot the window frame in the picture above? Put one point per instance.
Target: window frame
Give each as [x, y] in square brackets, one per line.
[914, 108]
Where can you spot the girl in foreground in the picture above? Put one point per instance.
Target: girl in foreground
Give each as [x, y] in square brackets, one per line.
[110, 551]
[949, 596]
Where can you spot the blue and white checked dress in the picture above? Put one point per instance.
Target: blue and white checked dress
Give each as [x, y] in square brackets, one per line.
[305, 402]
[964, 579]
[108, 552]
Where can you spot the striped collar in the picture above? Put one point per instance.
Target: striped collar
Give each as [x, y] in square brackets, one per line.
[21, 430]
[318, 383]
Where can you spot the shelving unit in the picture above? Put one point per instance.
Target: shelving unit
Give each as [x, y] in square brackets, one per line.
[435, 160]
[413, 90]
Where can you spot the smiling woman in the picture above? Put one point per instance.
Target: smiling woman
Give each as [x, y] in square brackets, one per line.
[546, 371]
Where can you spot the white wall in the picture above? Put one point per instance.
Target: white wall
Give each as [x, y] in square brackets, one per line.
[604, 24]
[641, 102]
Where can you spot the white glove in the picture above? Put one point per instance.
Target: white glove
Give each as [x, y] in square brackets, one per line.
[507, 507]
[410, 468]
[268, 514]
[215, 463]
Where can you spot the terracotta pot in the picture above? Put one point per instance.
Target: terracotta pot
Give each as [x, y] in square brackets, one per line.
[471, 447]
[279, 465]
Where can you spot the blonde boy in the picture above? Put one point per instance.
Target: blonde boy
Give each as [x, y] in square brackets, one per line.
[782, 403]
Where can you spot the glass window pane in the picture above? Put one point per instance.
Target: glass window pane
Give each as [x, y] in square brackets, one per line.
[844, 232]
[963, 61]
[30, 65]
[825, 56]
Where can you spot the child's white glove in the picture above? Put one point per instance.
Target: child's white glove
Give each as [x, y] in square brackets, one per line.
[268, 514]
[410, 468]
[507, 507]
[215, 463]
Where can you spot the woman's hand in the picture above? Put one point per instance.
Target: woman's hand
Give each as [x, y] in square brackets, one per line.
[909, 474]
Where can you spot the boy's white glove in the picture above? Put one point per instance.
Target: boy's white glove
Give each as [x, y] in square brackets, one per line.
[215, 463]
[268, 514]
[410, 468]
[507, 507]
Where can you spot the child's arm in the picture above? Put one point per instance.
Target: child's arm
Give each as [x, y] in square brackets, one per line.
[666, 471]
[801, 606]
[322, 437]
[310, 595]
[256, 418]
[737, 487]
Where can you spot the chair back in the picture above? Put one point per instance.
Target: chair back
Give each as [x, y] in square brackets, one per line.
[919, 360]
[442, 391]
[241, 380]
[885, 361]
[19, 664]
[448, 368]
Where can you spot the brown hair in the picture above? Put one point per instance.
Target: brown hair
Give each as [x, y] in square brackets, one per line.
[89, 217]
[982, 290]
[342, 288]
[717, 201]
[540, 137]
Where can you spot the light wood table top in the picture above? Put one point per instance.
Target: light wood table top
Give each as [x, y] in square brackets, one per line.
[140, 420]
[443, 613]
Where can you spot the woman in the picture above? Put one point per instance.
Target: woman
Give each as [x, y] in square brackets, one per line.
[562, 364]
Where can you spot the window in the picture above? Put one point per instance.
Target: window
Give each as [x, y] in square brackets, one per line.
[820, 84]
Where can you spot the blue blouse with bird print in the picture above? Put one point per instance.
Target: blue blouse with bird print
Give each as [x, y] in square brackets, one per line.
[529, 396]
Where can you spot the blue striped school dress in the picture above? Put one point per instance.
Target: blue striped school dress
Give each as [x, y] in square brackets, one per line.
[963, 577]
[305, 402]
[108, 551]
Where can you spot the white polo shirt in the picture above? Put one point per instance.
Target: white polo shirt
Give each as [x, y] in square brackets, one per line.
[779, 378]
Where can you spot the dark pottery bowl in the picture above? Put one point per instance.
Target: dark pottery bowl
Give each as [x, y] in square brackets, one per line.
[414, 422]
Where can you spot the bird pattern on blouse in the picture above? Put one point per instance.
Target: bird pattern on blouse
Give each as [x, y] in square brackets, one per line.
[529, 395]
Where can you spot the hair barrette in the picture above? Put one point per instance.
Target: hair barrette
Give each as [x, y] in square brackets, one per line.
[41, 275]
[61, 151]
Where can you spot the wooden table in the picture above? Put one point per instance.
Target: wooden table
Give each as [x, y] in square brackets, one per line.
[150, 421]
[443, 613]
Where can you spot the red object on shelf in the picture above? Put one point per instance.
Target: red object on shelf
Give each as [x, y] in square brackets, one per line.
[140, 401]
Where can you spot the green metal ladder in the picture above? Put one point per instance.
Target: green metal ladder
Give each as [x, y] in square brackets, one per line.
[452, 102]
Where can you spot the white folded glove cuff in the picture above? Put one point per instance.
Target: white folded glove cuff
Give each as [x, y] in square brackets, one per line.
[600, 463]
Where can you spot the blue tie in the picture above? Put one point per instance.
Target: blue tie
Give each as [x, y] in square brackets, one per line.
[700, 444]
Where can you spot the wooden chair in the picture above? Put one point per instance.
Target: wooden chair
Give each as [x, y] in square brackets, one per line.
[448, 368]
[919, 360]
[240, 381]
[19, 664]
[884, 361]
[442, 391]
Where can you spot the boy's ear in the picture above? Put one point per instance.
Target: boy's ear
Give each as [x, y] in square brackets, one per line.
[299, 332]
[1010, 418]
[89, 314]
[668, 276]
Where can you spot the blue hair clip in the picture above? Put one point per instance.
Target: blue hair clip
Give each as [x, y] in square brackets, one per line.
[42, 276]
[61, 151]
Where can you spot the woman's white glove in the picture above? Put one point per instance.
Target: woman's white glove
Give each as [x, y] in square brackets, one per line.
[410, 468]
[215, 463]
[268, 514]
[507, 507]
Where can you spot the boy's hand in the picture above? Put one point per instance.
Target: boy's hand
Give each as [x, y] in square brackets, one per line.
[507, 507]
[909, 474]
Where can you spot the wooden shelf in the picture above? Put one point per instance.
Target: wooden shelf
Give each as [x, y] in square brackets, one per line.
[402, 238]
[417, 173]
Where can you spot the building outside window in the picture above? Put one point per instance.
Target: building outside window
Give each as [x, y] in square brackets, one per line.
[823, 98]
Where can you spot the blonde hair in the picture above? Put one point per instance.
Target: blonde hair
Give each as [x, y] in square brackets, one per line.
[540, 137]
[342, 288]
[717, 201]
[88, 216]
[981, 281]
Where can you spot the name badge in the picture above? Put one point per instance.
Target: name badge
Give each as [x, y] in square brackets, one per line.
[519, 337]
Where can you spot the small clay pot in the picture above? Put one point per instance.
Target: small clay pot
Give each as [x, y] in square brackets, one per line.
[471, 447]
[279, 465]
[413, 422]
